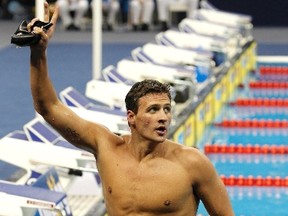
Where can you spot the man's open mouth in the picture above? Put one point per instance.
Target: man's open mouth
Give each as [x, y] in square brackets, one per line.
[161, 130]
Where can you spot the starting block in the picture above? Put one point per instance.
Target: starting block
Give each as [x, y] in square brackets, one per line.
[199, 64]
[241, 22]
[181, 82]
[35, 153]
[218, 48]
[19, 200]
[111, 94]
[73, 98]
[206, 28]
[40, 195]
[137, 71]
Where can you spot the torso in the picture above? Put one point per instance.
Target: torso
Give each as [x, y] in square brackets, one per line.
[156, 186]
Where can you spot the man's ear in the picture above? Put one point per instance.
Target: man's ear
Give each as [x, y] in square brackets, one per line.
[130, 117]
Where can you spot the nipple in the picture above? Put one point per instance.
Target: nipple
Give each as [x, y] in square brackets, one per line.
[167, 202]
[109, 190]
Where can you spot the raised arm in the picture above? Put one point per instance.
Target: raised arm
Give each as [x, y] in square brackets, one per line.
[76, 130]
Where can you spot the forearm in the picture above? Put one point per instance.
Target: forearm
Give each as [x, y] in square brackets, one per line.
[43, 93]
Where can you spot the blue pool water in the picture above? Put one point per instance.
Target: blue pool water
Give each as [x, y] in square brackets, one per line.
[252, 201]
[256, 201]
[265, 113]
[253, 136]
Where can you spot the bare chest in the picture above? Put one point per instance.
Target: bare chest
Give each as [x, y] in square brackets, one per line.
[159, 186]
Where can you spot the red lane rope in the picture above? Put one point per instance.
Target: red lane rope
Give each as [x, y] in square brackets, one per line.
[247, 149]
[277, 70]
[267, 84]
[255, 181]
[253, 123]
[260, 102]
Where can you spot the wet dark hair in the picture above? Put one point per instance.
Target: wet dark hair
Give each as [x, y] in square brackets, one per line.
[143, 88]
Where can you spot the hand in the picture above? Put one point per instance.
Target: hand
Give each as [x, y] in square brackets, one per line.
[45, 35]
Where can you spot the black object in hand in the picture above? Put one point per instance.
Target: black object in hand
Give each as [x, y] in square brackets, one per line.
[22, 37]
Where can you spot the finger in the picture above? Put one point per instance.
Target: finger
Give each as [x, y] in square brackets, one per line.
[55, 16]
[46, 12]
[41, 32]
[29, 25]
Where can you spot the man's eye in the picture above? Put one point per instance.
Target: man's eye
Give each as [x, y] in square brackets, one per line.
[167, 109]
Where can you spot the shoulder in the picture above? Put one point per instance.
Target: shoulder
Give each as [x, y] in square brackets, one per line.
[185, 153]
[195, 162]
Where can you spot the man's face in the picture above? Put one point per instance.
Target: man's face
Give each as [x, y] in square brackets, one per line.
[153, 117]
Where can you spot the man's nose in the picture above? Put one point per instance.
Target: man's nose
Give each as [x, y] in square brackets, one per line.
[163, 116]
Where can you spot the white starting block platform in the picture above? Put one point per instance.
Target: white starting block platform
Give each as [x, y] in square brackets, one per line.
[225, 18]
[21, 200]
[33, 167]
[73, 98]
[171, 56]
[114, 119]
[200, 64]
[109, 93]
[241, 22]
[138, 71]
[37, 153]
[206, 28]
[191, 40]
[41, 195]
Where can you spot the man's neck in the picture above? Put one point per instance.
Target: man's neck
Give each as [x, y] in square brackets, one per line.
[146, 150]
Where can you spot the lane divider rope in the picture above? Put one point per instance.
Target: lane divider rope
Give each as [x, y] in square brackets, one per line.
[253, 123]
[260, 102]
[245, 149]
[255, 181]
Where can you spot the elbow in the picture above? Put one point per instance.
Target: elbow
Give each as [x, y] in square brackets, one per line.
[43, 108]
[40, 108]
